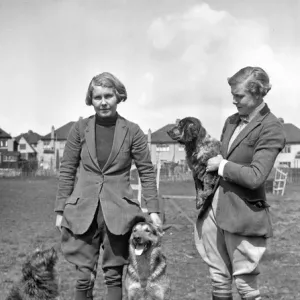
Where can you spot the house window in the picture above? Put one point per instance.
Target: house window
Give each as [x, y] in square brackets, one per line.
[22, 146]
[286, 149]
[181, 147]
[162, 148]
[62, 145]
[9, 158]
[297, 155]
[3, 143]
[48, 147]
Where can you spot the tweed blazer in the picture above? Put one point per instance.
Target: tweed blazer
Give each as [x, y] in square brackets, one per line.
[110, 185]
[250, 160]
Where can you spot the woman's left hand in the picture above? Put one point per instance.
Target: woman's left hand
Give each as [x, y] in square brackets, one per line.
[213, 163]
[156, 220]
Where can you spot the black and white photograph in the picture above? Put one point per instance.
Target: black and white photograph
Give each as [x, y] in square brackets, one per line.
[149, 149]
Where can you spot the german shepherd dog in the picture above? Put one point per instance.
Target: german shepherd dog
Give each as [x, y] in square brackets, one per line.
[146, 277]
[38, 280]
[199, 147]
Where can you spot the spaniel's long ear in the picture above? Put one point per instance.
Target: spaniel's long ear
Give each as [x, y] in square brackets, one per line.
[189, 132]
[202, 133]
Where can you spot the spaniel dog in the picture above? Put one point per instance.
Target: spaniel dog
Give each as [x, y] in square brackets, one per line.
[199, 147]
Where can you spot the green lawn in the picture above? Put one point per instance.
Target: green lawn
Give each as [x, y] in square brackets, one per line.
[27, 220]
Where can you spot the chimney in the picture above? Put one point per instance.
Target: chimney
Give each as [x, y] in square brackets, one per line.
[52, 132]
[10, 145]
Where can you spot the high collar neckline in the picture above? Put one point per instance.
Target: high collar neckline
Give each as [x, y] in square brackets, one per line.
[108, 121]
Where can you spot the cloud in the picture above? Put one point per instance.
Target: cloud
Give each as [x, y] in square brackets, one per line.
[195, 51]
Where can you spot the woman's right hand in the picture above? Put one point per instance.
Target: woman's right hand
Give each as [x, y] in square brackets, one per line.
[58, 221]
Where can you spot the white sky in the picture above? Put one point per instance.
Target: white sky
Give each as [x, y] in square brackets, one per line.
[173, 56]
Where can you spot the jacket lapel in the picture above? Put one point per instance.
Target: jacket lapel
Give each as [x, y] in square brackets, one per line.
[232, 124]
[91, 140]
[243, 134]
[119, 136]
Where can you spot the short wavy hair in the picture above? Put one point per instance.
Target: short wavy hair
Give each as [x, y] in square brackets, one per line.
[256, 80]
[108, 80]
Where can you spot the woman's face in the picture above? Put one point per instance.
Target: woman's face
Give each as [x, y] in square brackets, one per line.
[104, 101]
[243, 100]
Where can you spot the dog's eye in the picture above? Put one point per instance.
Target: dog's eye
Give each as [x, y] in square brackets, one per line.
[147, 230]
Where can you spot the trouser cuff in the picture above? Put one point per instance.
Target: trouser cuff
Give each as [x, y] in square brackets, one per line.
[113, 276]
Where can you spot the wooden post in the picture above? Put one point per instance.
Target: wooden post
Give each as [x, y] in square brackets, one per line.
[149, 140]
[158, 166]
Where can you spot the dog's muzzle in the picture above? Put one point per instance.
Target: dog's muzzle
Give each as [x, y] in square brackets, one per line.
[140, 246]
[174, 134]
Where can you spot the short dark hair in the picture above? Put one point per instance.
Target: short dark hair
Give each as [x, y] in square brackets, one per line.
[256, 80]
[108, 80]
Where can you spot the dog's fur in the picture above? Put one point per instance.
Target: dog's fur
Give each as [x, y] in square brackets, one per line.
[199, 147]
[146, 277]
[38, 280]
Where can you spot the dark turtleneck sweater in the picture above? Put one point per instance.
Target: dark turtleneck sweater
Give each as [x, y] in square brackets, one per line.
[105, 130]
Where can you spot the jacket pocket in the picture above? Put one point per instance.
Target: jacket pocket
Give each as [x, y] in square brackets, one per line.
[72, 200]
[257, 205]
[130, 201]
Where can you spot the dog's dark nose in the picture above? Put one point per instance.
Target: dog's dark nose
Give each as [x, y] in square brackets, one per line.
[137, 239]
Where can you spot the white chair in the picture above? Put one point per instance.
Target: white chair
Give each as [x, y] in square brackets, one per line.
[279, 182]
[138, 187]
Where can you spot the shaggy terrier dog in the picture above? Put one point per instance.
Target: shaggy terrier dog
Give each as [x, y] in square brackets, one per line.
[38, 280]
[146, 277]
[199, 147]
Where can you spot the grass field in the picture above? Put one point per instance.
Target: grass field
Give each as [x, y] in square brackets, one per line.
[27, 220]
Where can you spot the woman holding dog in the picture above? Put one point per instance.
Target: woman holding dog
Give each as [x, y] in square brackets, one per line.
[231, 237]
[98, 211]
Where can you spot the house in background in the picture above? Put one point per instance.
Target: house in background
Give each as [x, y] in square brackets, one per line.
[9, 155]
[28, 144]
[290, 155]
[165, 149]
[4, 138]
[50, 147]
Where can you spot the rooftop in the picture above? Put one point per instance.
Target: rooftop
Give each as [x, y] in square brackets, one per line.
[4, 134]
[60, 133]
[160, 136]
[292, 133]
[31, 137]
